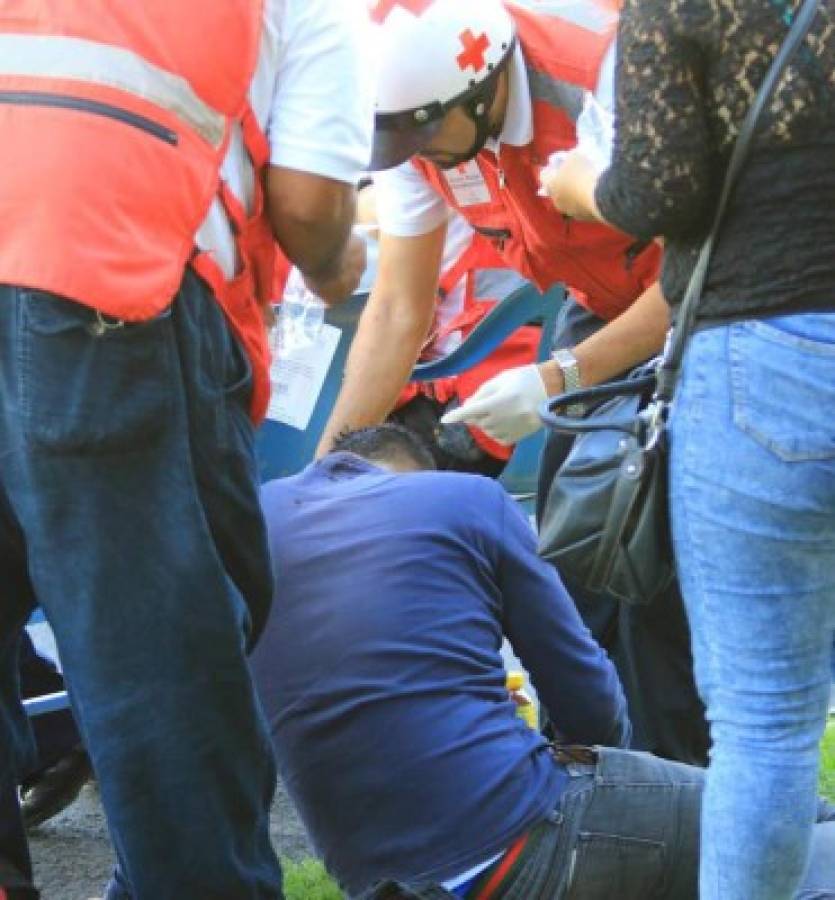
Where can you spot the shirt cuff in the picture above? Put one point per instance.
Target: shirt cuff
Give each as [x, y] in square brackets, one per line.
[317, 162]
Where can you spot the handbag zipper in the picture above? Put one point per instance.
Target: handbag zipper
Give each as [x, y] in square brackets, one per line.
[94, 107]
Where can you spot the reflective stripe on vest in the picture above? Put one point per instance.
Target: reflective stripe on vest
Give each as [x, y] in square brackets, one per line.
[53, 57]
[555, 92]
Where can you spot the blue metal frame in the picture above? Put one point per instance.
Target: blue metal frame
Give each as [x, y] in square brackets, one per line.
[283, 450]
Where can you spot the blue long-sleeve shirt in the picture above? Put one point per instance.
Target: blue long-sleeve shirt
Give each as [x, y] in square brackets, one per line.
[381, 675]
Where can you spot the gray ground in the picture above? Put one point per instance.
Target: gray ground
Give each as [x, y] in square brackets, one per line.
[72, 854]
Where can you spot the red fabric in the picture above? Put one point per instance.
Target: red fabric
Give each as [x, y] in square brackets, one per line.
[244, 297]
[114, 220]
[600, 264]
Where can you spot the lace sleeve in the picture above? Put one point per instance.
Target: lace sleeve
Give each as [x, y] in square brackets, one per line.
[659, 180]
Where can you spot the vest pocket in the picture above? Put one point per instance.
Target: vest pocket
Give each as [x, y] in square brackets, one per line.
[92, 107]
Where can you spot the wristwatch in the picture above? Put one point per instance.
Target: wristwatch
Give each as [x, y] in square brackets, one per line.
[567, 362]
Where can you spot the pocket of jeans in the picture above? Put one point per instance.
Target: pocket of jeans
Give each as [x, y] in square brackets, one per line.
[87, 388]
[223, 375]
[604, 866]
[783, 391]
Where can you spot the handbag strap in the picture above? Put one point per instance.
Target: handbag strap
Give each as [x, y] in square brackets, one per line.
[641, 386]
[671, 363]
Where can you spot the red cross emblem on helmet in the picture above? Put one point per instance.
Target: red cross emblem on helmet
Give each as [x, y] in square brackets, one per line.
[474, 50]
[382, 9]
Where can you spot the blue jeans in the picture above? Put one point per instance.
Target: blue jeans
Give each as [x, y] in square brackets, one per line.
[753, 509]
[626, 827]
[129, 512]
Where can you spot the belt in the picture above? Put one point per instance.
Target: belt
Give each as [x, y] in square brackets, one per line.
[574, 753]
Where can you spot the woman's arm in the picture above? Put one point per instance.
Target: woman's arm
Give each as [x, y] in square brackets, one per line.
[659, 182]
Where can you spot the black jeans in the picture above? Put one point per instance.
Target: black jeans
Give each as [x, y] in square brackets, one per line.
[649, 645]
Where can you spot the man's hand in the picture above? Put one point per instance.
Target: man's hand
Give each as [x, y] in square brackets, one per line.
[506, 407]
[339, 286]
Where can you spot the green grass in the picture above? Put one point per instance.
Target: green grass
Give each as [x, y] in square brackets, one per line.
[827, 784]
[308, 880]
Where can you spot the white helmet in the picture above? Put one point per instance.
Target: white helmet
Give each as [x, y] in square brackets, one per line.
[434, 55]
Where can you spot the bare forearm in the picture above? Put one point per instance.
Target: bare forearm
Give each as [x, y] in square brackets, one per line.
[382, 357]
[311, 218]
[637, 334]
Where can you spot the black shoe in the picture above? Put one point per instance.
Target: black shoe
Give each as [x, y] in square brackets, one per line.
[54, 788]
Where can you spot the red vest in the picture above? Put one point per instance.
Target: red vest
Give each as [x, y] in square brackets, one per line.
[115, 119]
[606, 269]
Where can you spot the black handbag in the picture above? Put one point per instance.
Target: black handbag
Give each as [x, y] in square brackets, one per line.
[605, 523]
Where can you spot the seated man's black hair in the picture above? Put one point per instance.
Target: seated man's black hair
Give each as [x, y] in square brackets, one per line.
[385, 443]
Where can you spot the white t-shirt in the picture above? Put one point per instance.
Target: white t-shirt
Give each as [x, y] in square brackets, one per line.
[408, 206]
[313, 94]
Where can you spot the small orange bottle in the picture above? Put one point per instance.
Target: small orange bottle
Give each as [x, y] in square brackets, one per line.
[525, 708]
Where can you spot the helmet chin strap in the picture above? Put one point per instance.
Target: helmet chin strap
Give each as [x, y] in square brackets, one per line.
[478, 111]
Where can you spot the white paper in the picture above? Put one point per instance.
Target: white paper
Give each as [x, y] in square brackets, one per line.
[297, 377]
[468, 185]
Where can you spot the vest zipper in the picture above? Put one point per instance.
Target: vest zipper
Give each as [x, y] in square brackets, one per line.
[94, 107]
[498, 236]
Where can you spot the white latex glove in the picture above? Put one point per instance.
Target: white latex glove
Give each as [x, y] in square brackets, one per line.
[506, 407]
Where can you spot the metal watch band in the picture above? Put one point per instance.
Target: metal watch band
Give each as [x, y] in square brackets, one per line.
[567, 362]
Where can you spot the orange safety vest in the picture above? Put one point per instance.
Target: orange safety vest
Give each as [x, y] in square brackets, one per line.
[606, 269]
[518, 349]
[116, 118]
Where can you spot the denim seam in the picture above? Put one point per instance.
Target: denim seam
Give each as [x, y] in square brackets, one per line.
[739, 399]
[23, 359]
[776, 335]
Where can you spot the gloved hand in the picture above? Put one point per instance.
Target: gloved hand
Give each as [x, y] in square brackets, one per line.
[506, 407]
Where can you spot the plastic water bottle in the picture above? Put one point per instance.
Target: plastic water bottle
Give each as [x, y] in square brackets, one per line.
[525, 708]
[301, 315]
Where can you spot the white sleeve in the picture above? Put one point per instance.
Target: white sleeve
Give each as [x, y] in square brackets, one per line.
[605, 92]
[322, 114]
[407, 205]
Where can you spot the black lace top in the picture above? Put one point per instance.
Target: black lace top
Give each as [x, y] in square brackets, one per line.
[687, 73]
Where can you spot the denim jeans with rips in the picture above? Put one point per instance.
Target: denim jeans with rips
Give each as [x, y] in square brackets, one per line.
[129, 512]
[753, 510]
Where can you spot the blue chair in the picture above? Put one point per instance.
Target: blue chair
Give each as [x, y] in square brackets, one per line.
[284, 450]
[38, 706]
